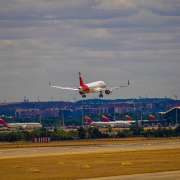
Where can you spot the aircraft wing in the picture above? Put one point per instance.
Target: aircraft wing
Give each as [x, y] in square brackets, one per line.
[63, 88]
[121, 86]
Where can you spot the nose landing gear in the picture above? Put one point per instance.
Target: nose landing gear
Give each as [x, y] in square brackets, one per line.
[83, 96]
[101, 94]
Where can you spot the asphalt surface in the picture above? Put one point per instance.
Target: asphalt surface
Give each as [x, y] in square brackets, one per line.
[46, 151]
[170, 175]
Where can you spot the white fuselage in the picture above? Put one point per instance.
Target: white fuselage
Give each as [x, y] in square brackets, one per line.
[113, 123]
[25, 125]
[94, 87]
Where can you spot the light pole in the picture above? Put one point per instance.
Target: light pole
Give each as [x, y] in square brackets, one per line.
[82, 119]
[62, 118]
[114, 116]
[176, 116]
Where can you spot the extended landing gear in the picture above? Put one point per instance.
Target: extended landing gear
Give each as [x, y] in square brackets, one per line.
[101, 94]
[83, 95]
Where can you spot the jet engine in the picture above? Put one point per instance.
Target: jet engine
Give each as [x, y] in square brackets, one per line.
[107, 91]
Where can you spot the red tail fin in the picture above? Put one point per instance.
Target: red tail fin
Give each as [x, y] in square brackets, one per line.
[3, 122]
[88, 120]
[151, 117]
[129, 118]
[105, 118]
[81, 82]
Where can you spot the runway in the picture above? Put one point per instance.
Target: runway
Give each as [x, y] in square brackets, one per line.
[48, 151]
[169, 175]
[104, 159]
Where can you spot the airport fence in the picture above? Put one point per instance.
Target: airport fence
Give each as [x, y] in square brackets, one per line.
[41, 139]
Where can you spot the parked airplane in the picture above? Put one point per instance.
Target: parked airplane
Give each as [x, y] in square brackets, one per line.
[93, 87]
[107, 123]
[28, 125]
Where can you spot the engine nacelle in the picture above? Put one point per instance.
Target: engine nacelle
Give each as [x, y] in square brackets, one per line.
[81, 93]
[107, 91]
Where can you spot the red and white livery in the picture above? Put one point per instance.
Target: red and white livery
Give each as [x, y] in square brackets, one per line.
[24, 126]
[93, 87]
[106, 122]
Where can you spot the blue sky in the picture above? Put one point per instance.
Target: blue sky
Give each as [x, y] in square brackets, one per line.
[110, 40]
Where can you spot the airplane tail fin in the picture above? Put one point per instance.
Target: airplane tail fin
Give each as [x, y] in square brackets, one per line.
[88, 120]
[3, 122]
[151, 117]
[81, 82]
[129, 118]
[105, 118]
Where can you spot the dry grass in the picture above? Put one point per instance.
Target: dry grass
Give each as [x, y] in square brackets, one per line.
[76, 166]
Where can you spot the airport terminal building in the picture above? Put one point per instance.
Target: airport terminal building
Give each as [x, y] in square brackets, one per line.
[172, 116]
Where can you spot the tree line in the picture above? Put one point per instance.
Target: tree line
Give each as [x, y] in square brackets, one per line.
[88, 133]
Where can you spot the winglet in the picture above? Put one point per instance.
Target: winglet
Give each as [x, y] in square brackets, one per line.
[128, 82]
[50, 83]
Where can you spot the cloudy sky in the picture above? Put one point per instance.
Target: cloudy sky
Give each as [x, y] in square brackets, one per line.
[110, 40]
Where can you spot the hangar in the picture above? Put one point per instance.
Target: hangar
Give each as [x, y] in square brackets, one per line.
[172, 115]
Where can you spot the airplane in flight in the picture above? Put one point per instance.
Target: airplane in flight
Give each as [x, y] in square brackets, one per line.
[93, 87]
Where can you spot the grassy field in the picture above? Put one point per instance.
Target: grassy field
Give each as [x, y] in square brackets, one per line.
[76, 166]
